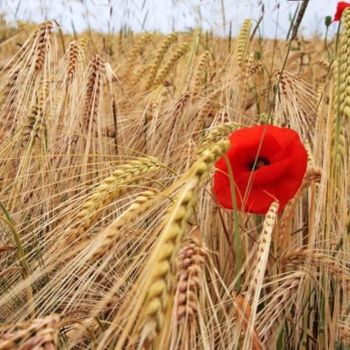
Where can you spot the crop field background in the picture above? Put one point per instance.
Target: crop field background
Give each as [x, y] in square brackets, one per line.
[110, 234]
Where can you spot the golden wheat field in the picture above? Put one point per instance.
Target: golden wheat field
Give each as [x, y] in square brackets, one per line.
[111, 233]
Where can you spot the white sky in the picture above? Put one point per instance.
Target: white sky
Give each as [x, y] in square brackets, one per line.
[168, 15]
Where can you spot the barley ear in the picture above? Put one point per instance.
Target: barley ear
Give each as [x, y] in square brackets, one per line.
[260, 265]
[242, 44]
[155, 302]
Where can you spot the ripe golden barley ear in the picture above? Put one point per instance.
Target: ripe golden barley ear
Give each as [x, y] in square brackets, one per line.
[135, 51]
[254, 280]
[35, 125]
[10, 95]
[92, 94]
[35, 334]
[84, 134]
[271, 317]
[108, 190]
[188, 298]
[308, 259]
[84, 333]
[151, 115]
[215, 134]
[169, 129]
[253, 67]
[73, 56]
[154, 65]
[108, 237]
[312, 175]
[296, 105]
[23, 78]
[201, 74]
[209, 108]
[164, 70]
[152, 306]
[156, 97]
[42, 44]
[254, 79]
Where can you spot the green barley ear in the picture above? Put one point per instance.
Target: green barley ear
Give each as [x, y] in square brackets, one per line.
[241, 47]
[341, 99]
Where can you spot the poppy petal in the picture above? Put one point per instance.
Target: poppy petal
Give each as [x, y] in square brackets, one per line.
[341, 6]
[281, 159]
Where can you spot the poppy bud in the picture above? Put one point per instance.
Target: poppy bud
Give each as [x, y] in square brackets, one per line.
[328, 21]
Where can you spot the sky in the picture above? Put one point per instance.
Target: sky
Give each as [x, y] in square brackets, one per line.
[168, 15]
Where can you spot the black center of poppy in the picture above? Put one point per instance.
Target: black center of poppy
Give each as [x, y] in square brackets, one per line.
[258, 163]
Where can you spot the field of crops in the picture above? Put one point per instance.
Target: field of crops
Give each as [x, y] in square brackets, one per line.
[115, 232]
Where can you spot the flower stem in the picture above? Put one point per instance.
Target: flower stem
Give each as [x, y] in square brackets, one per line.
[236, 234]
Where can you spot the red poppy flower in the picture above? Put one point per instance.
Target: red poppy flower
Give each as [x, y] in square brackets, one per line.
[342, 5]
[267, 163]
